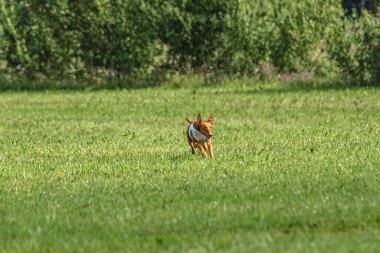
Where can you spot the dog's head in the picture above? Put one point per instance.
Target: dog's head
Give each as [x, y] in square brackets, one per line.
[205, 127]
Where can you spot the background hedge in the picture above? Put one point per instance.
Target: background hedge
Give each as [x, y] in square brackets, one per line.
[148, 39]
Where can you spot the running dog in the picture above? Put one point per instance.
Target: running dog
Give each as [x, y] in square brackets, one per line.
[199, 134]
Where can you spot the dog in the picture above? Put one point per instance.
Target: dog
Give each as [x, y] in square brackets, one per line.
[199, 135]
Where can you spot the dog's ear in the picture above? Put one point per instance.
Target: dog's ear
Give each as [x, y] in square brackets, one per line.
[211, 118]
[199, 118]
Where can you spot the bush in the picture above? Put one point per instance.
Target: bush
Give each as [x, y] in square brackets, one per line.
[194, 32]
[287, 34]
[79, 39]
[134, 40]
[353, 45]
[3, 49]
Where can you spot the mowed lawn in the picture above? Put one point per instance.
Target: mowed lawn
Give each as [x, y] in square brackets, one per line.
[296, 170]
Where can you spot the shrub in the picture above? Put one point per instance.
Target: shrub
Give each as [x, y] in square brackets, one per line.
[134, 40]
[78, 39]
[194, 32]
[353, 45]
[3, 49]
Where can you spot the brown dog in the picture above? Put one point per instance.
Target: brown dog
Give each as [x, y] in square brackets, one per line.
[199, 134]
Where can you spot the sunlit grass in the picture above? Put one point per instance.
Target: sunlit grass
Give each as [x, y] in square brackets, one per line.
[296, 169]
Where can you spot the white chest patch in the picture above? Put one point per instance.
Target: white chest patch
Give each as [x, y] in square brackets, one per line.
[195, 134]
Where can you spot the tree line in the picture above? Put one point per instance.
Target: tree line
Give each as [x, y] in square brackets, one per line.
[154, 39]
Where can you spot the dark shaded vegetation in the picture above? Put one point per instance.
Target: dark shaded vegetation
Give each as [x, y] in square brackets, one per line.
[140, 43]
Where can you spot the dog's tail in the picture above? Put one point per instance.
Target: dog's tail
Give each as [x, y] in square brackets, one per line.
[189, 120]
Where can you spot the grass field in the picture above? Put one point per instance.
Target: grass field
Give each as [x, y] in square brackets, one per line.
[296, 169]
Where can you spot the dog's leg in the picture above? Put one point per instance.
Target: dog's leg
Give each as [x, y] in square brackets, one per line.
[201, 148]
[208, 143]
[192, 147]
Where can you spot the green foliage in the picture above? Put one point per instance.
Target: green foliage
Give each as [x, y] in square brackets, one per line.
[354, 46]
[287, 34]
[101, 40]
[75, 39]
[3, 49]
[194, 32]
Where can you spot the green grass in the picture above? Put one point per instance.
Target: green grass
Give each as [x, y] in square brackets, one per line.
[297, 169]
